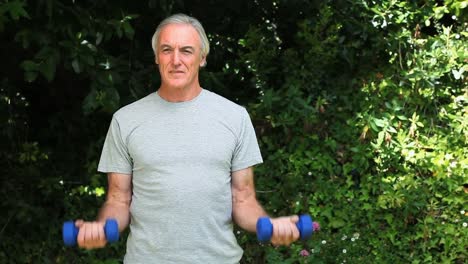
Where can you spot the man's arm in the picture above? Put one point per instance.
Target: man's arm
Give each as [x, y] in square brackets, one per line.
[245, 207]
[117, 206]
[118, 200]
[246, 210]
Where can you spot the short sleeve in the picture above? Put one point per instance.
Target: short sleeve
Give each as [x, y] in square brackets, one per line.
[115, 156]
[247, 152]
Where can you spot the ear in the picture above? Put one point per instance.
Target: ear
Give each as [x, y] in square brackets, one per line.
[203, 62]
[156, 60]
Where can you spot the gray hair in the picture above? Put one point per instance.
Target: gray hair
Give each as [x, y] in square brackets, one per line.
[182, 19]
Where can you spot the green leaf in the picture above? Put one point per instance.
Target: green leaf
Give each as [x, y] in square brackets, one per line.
[16, 10]
[30, 76]
[100, 191]
[380, 122]
[99, 37]
[76, 66]
[89, 59]
[391, 129]
[389, 218]
[29, 65]
[367, 206]
[380, 138]
[458, 74]
[30, 70]
[337, 223]
[47, 68]
[90, 102]
[91, 47]
[128, 30]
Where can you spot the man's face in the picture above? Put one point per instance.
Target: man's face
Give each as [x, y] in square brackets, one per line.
[179, 56]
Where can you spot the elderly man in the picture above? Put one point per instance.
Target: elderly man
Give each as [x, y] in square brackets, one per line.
[179, 164]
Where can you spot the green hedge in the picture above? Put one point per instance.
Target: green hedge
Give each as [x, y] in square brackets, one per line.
[360, 109]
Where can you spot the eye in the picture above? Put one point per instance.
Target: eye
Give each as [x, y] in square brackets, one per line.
[187, 51]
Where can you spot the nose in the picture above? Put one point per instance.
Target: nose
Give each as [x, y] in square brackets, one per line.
[176, 58]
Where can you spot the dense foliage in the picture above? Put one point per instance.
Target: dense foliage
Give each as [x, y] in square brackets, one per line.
[360, 109]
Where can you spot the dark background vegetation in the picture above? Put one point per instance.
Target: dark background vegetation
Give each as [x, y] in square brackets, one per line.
[360, 109]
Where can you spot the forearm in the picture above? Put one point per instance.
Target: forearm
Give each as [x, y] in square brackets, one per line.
[246, 211]
[117, 210]
[119, 197]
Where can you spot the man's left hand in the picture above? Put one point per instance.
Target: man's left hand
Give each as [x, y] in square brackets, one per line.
[285, 230]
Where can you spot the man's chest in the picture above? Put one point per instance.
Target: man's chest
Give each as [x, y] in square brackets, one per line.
[167, 142]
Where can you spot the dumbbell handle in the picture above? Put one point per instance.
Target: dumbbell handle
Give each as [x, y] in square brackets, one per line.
[70, 232]
[265, 228]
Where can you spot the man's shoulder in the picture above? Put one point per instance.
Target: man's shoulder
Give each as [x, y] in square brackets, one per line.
[136, 113]
[222, 103]
[137, 108]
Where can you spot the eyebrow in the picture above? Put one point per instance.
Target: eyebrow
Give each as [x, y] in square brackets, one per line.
[182, 48]
[188, 48]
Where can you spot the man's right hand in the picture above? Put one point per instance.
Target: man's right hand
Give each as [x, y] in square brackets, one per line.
[91, 234]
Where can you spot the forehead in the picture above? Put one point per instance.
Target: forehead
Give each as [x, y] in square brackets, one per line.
[179, 35]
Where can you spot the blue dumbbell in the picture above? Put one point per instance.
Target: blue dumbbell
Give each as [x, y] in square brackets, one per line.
[70, 232]
[265, 228]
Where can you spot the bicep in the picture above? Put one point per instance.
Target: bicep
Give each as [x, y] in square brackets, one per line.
[242, 185]
[245, 208]
[119, 188]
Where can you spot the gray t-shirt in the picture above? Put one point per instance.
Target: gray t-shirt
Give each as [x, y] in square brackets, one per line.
[181, 156]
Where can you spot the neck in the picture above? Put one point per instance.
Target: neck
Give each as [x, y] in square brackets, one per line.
[175, 95]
